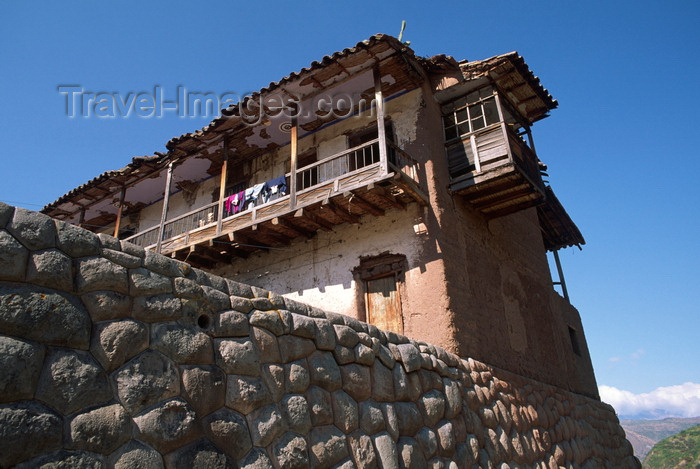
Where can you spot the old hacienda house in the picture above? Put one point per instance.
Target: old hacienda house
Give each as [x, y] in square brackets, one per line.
[400, 190]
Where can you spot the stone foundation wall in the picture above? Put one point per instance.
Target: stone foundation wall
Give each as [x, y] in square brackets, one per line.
[116, 357]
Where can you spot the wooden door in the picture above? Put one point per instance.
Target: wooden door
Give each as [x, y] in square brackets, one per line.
[384, 304]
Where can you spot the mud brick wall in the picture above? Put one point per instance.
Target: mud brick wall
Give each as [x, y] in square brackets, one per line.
[116, 357]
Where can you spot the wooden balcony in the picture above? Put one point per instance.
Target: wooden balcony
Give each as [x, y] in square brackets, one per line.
[339, 189]
[495, 170]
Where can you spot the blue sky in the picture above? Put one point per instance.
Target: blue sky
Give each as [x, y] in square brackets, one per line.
[620, 148]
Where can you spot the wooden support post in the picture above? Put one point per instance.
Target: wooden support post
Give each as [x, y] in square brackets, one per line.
[81, 219]
[166, 199]
[381, 128]
[294, 135]
[561, 281]
[117, 223]
[222, 188]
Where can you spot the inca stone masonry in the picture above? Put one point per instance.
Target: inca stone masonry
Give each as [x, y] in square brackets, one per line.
[113, 356]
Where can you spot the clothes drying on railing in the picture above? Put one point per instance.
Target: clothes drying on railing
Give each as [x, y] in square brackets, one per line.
[258, 194]
[235, 203]
[274, 189]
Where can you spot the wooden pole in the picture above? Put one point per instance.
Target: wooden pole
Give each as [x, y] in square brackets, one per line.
[561, 282]
[119, 212]
[222, 188]
[293, 158]
[381, 129]
[166, 199]
[81, 220]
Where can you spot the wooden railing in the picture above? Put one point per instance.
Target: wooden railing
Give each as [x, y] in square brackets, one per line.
[309, 180]
[489, 148]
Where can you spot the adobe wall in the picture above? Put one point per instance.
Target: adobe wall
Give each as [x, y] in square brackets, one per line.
[501, 300]
[116, 357]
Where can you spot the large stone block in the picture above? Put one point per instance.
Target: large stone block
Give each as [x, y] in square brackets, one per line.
[345, 412]
[273, 376]
[169, 425]
[266, 424]
[116, 342]
[356, 381]
[290, 452]
[148, 378]
[269, 320]
[239, 289]
[164, 265]
[409, 418]
[320, 406]
[256, 458]
[218, 300]
[387, 453]
[157, 308]
[295, 409]
[146, 282]
[328, 447]
[6, 212]
[246, 393]
[136, 454]
[237, 356]
[187, 288]
[34, 230]
[76, 242]
[122, 258]
[346, 336]
[428, 442]
[201, 454]
[410, 455]
[371, 417]
[325, 334]
[13, 258]
[21, 363]
[382, 383]
[293, 348]
[231, 324]
[63, 458]
[362, 451]
[229, 431]
[105, 305]
[27, 430]
[266, 343]
[184, 345]
[296, 375]
[98, 273]
[101, 430]
[204, 387]
[72, 380]
[303, 326]
[432, 405]
[324, 371]
[43, 315]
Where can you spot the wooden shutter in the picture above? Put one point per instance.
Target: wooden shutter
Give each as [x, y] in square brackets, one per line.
[384, 304]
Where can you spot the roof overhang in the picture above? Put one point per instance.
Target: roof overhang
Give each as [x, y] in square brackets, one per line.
[558, 229]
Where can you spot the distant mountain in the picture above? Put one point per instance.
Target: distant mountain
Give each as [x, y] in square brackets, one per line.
[644, 434]
[681, 450]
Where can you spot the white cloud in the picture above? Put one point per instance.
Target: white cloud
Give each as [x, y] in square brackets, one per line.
[670, 401]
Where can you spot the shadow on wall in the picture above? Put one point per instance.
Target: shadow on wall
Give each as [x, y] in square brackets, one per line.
[116, 357]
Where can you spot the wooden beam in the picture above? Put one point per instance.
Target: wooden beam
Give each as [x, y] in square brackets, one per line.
[208, 253]
[381, 127]
[340, 212]
[293, 158]
[298, 231]
[354, 198]
[119, 212]
[222, 188]
[321, 223]
[240, 241]
[380, 192]
[276, 236]
[166, 199]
